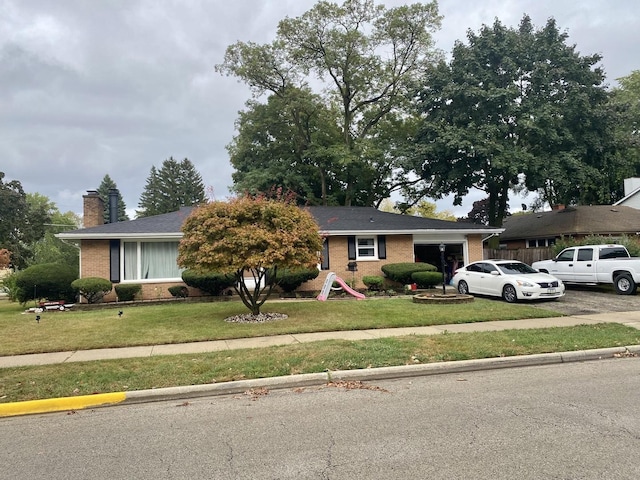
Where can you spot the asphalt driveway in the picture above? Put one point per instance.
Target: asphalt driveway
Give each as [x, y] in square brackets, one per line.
[584, 300]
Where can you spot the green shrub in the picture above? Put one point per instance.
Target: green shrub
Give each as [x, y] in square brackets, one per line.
[127, 292]
[8, 286]
[373, 282]
[401, 272]
[92, 288]
[426, 279]
[290, 280]
[47, 280]
[179, 291]
[629, 242]
[211, 283]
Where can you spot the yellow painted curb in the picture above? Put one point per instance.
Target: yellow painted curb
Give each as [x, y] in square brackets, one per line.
[60, 404]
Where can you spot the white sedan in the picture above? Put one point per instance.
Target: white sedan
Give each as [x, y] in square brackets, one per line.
[509, 279]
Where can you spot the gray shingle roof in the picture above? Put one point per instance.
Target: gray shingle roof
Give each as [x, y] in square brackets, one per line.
[358, 219]
[167, 223]
[579, 220]
[335, 220]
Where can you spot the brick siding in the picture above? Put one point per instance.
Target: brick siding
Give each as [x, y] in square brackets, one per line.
[399, 249]
[476, 251]
[95, 263]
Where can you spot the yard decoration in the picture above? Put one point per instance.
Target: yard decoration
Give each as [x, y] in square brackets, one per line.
[326, 288]
[251, 238]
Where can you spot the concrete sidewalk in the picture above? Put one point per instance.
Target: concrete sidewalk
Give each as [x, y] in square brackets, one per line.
[627, 318]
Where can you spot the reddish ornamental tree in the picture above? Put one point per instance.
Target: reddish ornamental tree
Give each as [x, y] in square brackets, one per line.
[5, 258]
[250, 238]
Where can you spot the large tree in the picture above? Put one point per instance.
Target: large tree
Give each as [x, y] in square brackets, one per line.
[625, 100]
[23, 220]
[288, 142]
[103, 190]
[13, 211]
[515, 108]
[250, 238]
[50, 249]
[364, 60]
[176, 184]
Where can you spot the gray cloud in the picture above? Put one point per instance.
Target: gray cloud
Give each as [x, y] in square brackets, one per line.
[115, 87]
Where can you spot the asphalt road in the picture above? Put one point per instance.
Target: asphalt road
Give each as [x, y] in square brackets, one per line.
[570, 421]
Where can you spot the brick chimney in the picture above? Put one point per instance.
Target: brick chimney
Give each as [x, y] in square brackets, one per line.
[93, 209]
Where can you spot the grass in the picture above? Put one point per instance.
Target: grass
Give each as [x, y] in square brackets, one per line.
[51, 381]
[183, 322]
[192, 322]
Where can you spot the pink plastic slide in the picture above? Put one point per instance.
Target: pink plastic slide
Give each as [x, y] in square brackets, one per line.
[326, 288]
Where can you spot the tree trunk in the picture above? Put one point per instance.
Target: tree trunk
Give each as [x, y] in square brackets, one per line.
[254, 299]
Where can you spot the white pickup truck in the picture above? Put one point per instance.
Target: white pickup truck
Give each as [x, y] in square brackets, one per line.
[595, 264]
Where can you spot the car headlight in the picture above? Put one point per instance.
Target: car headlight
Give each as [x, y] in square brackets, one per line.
[524, 283]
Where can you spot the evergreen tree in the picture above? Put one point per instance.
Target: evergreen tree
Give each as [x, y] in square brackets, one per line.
[103, 190]
[175, 185]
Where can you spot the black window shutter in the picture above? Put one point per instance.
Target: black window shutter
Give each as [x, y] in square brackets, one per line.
[382, 247]
[351, 247]
[325, 255]
[114, 261]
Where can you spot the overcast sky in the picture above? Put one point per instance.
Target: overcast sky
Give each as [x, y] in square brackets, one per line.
[89, 87]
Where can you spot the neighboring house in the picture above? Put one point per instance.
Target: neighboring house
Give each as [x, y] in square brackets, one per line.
[358, 241]
[543, 229]
[631, 193]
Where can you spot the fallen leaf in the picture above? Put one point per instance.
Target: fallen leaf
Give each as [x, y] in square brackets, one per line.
[355, 385]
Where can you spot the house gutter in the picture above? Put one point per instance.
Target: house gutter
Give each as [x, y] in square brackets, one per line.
[179, 235]
[438, 231]
[118, 236]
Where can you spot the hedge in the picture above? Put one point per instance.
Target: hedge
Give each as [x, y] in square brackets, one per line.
[47, 280]
[127, 292]
[212, 283]
[426, 279]
[289, 280]
[92, 288]
[179, 291]
[401, 272]
[373, 282]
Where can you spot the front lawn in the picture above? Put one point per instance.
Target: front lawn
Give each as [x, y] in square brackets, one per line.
[85, 378]
[177, 322]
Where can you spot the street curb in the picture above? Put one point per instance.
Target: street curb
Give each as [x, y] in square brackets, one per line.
[306, 380]
[49, 405]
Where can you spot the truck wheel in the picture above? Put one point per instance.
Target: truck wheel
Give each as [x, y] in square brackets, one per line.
[624, 284]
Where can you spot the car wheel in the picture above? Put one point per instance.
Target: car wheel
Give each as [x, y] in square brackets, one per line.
[625, 285]
[509, 294]
[463, 288]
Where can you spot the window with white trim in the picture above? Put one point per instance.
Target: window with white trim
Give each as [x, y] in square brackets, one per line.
[541, 242]
[366, 248]
[150, 261]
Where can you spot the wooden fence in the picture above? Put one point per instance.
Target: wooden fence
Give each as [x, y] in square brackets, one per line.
[525, 255]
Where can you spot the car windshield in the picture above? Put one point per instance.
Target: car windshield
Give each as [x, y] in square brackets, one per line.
[515, 268]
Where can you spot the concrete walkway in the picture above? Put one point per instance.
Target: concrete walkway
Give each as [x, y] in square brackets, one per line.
[627, 318]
